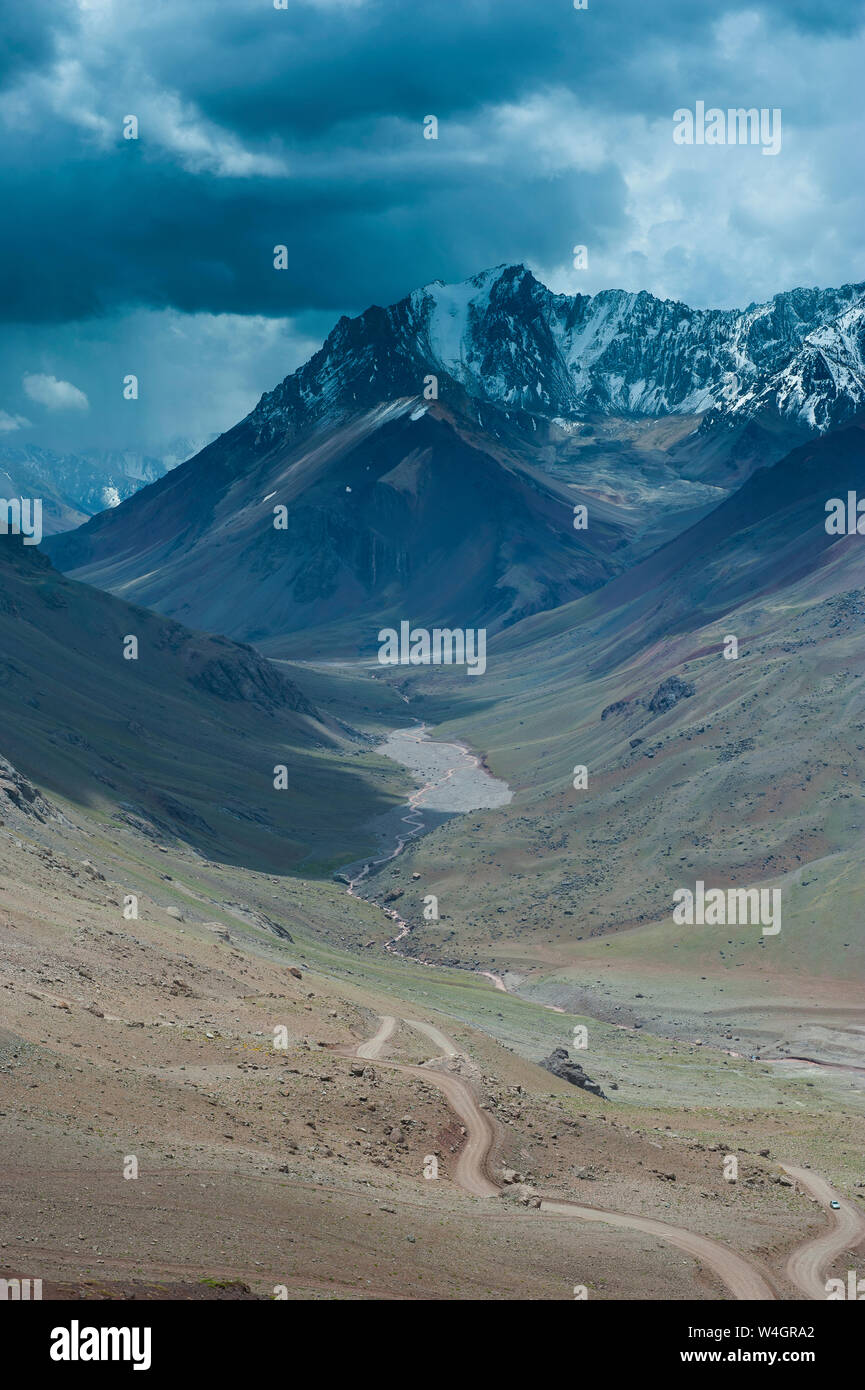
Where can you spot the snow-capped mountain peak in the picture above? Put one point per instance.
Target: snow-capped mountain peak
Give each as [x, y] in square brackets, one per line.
[506, 339]
[823, 383]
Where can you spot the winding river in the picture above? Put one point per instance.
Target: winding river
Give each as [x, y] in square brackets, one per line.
[453, 781]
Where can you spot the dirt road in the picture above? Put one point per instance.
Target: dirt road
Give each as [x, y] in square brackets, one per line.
[807, 1266]
[470, 1172]
[443, 1043]
[743, 1279]
[373, 1046]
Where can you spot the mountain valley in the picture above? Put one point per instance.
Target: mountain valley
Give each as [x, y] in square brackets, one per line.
[339, 973]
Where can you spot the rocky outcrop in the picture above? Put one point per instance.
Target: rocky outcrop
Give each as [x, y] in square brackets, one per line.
[617, 707]
[19, 797]
[522, 1194]
[242, 675]
[561, 1065]
[669, 693]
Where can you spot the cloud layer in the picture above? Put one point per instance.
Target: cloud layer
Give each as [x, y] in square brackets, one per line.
[259, 126]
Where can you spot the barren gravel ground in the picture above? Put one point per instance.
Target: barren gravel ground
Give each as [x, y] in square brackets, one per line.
[153, 1039]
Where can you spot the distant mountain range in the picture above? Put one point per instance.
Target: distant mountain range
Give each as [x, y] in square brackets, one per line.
[704, 446]
[74, 487]
[511, 342]
[430, 456]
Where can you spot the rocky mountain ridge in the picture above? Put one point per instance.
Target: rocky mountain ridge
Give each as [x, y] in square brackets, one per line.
[506, 339]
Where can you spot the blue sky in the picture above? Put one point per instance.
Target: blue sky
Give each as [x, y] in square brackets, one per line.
[304, 126]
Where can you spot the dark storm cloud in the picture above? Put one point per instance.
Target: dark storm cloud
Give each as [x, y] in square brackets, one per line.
[262, 126]
[28, 34]
[317, 66]
[120, 226]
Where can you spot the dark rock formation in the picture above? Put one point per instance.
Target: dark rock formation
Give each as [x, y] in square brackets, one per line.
[19, 795]
[669, 693]
[560, 1064]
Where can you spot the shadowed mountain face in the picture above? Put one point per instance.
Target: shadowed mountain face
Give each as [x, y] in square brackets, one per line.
[181, 742]
[459, 509]
[767, 536]
[404, 512]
